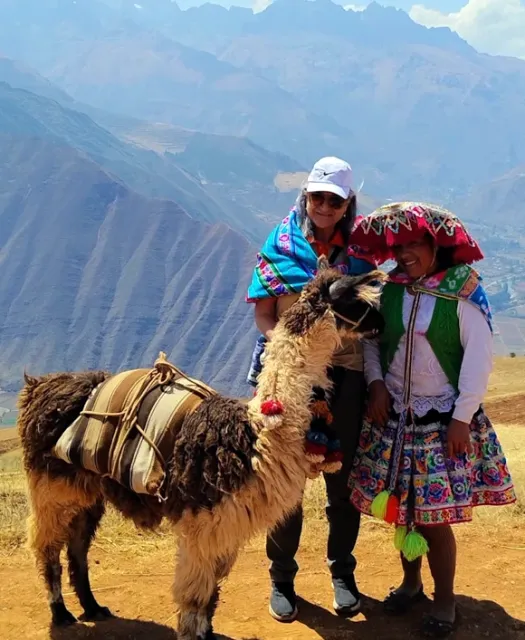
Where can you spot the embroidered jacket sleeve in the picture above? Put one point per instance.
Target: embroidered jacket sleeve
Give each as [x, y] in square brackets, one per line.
[476, 339]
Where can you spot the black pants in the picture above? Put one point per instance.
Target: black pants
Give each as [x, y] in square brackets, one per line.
[343, 518]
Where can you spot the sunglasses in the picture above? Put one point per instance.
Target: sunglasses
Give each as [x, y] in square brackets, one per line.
[333, 201]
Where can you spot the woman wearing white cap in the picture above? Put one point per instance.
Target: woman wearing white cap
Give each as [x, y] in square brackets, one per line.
[320, 223]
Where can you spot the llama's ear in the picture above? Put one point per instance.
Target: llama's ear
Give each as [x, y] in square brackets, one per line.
[30, 381]
[368, 289]
[372, 278]
[322, 263]
[340, 288]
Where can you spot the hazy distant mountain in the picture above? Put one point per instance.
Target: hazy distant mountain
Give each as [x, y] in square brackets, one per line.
[498, 202]
[19, 76]
[404, 103]
[95, 275]
[141, 167]
[27, 114]
[434, 116]
[101, 57]
[188, 178]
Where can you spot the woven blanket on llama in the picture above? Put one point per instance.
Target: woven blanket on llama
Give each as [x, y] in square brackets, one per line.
[127, 431]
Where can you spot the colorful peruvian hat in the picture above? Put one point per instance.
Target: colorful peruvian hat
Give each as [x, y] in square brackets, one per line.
[403, 222]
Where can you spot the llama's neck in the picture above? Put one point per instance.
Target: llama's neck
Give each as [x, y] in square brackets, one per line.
[293, 366]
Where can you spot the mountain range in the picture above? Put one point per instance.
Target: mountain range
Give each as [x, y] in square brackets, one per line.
[94, 274]
[405, 104]
[98, 270]
[146, 151]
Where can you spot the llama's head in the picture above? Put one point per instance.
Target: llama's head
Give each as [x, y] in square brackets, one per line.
[347, 305]
[332, 307]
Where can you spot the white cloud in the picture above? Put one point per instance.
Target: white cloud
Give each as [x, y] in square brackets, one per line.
[491, 26]
[260, 5]
[355, 7]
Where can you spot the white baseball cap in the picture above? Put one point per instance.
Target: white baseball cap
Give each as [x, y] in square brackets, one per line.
[331, 174]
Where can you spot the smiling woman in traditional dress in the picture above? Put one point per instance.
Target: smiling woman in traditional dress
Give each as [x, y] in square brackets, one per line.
[319, 224]
[428, 453]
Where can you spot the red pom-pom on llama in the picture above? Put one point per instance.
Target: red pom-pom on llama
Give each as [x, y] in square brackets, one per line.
[272, 408]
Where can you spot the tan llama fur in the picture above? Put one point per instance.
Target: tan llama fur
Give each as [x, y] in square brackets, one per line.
[67, 502]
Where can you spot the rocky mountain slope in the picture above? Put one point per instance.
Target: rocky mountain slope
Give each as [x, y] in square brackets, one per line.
[95, 275]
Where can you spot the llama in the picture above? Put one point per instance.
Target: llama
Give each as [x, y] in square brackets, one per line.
[236, 469]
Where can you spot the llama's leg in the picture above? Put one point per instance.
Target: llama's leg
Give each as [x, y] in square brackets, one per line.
[47, 537]
[48, 560]
[223, 566]
[81, 533]
[195, 590]
[54, 505]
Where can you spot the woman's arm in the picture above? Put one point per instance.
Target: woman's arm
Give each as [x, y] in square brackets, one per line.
[372, 361]
[476, 339]
[265, 316]
[379, 402]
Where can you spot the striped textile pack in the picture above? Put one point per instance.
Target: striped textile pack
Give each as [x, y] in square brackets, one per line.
[128, 427]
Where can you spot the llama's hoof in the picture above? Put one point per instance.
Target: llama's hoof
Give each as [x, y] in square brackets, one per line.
[97, 615]
[61, 617]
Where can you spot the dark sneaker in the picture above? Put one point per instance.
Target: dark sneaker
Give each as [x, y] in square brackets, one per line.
[283, 602]
[346, 596]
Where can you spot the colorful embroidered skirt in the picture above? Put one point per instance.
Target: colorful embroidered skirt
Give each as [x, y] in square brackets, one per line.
[432, 488]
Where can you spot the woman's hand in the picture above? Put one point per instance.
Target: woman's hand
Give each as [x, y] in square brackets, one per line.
[379, 403]
[458, 438]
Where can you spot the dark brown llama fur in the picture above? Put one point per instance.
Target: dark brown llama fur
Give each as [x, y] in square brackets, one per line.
[211, 460]
[233, 471]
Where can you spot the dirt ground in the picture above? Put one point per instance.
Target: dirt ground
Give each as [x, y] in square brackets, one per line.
[136, 586]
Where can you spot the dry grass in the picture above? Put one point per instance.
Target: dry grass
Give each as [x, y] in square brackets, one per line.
[7, 434]
[119, 533]
[508, 378]
[13, 501]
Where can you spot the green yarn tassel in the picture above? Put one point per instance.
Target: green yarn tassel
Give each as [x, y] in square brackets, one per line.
[414, 546]
[399, 537]
[379, 504]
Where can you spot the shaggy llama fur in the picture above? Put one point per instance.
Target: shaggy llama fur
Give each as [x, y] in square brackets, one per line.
[234, 470]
